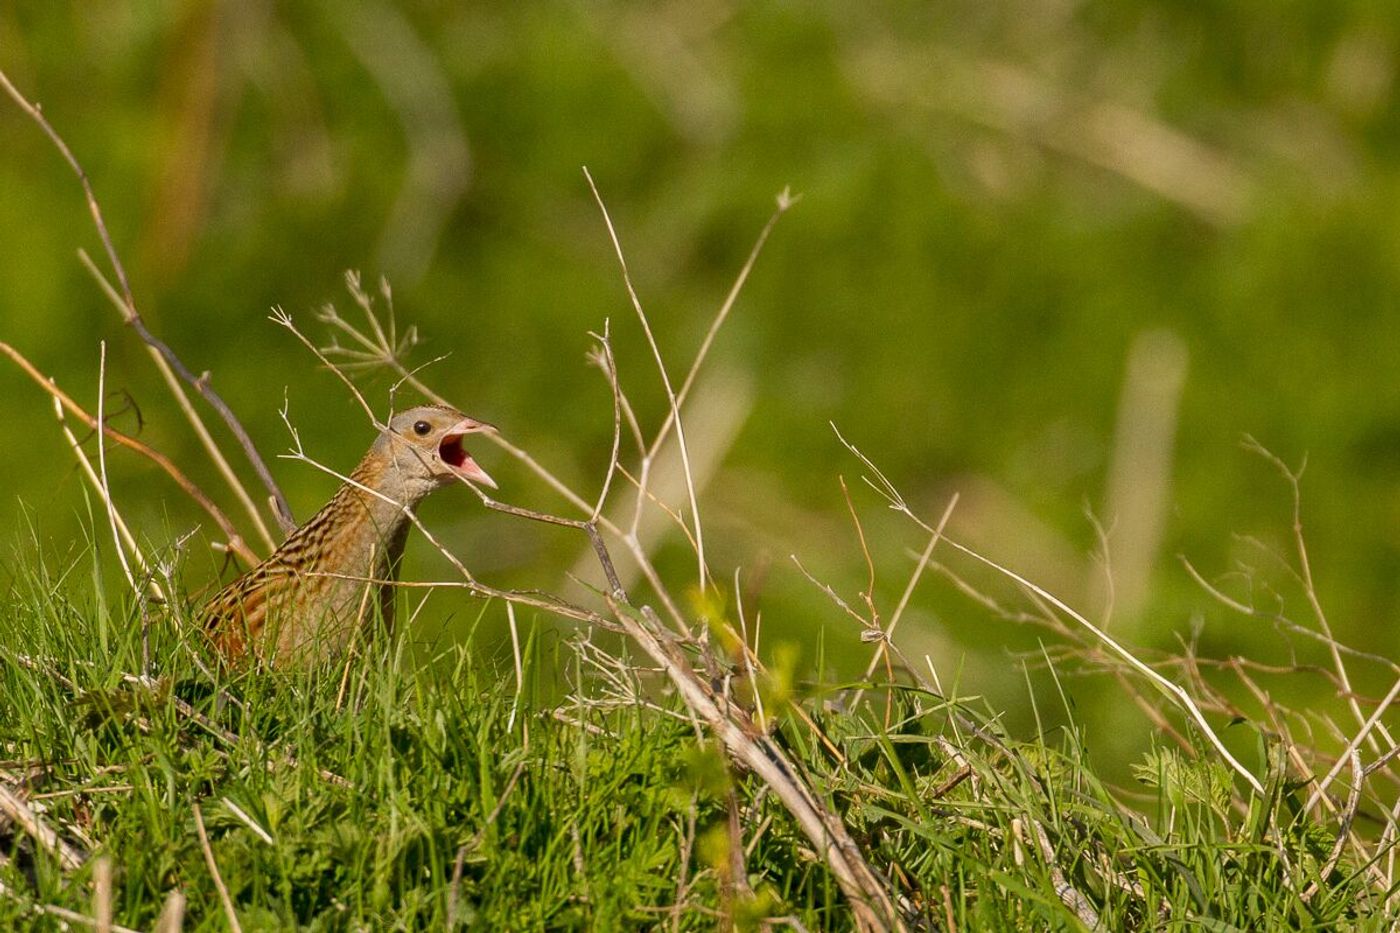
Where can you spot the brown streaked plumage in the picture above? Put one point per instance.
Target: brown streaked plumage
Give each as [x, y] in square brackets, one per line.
[307, 599]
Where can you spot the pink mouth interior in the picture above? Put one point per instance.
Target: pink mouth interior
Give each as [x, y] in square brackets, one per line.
[452, 452]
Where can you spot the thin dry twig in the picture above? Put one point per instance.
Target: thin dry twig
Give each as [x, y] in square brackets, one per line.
[832, 595]
[1370, 724]
[127, 539]
[609, 366]
[18, 811]
[785, 200]
[881, 649]
[1358, 779]
[1294, 480]
[665, 381]
[881, 484]
[475, 841]
[114, 520]
[1284, 622]
[234, 539]
[1070, 896]
[106, 487]
[182, 399]
[867, 595]
[133, 318]
[519, 666]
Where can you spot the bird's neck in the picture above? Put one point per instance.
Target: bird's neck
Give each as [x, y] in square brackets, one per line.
[362, 530]
[384, 491]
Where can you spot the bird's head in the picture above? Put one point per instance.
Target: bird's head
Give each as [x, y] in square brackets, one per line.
[422, 449]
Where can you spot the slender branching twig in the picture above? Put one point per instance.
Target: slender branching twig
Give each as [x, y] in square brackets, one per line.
[182, 400]
[666, 383]
[882, 485]
[133, 318]
[234, 539]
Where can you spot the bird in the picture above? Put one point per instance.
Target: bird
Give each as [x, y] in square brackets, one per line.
[304, 603]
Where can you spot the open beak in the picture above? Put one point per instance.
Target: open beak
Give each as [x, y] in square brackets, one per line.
[453, 454]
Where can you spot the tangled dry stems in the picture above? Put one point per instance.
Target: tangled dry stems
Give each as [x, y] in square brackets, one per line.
[702, 671]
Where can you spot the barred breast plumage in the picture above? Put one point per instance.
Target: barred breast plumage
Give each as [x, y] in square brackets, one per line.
[334, 572]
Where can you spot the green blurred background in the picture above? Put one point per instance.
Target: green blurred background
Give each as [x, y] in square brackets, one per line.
[1056, 256]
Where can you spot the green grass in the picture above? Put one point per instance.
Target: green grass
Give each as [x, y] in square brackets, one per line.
[999, 277]
[365, 788]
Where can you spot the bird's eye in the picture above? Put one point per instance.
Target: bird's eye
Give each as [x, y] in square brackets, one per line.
[422, 428]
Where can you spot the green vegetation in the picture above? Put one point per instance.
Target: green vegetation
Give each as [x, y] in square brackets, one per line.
[1050, 264]
[352, 796]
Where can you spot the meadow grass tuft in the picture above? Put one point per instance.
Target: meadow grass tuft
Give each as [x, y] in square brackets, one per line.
[401, 792]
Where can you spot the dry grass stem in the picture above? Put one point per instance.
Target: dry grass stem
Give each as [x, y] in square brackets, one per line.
[1372, 723]
[785, 200]
[880, 649]
[1068, 894]
[127, 539]
[133, 318]
[105, 489]
[666, 383]
[519, 667]
[608, 365]
[229, 913]
[500, 805]
[102, 894]
[234, 539]
[182, 400]
[1277, 619]
[18, 811]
